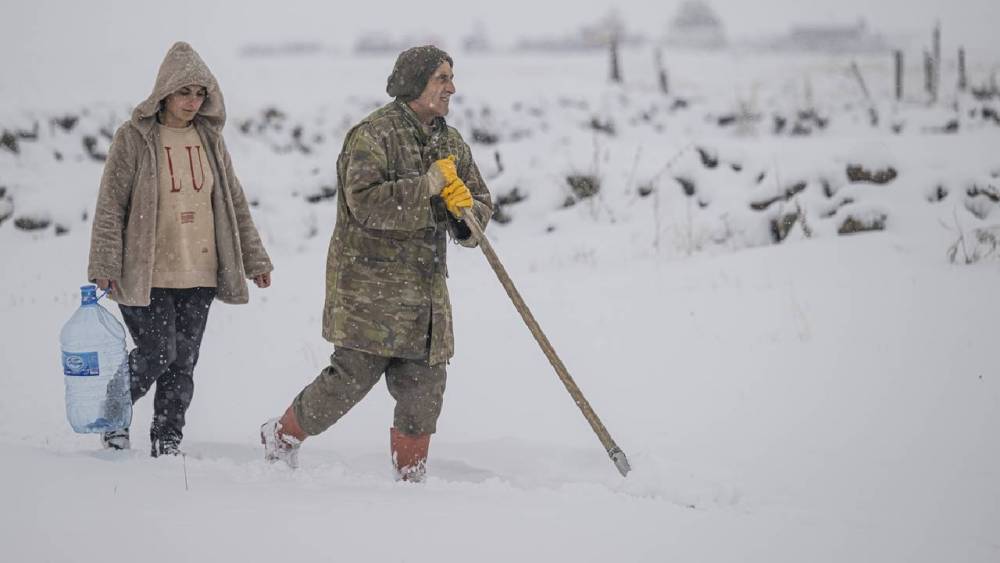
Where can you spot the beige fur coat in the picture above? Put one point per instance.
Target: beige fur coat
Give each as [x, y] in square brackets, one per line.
[123, 239]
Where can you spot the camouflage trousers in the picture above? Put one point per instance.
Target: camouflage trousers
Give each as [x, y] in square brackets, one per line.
[417, 387]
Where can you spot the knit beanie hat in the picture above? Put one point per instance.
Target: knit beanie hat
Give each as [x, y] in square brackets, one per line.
[413, 69]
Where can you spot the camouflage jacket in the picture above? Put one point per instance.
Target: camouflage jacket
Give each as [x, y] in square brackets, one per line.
[386, 268]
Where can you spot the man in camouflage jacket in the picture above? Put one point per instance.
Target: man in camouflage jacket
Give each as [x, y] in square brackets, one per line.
[405, 180]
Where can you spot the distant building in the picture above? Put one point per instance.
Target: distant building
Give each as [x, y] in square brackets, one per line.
[478, 41]
[376, 43]
[827, 38]
[608, 28]
[587, 38]
[379, 43]
[476, 44]
[286, 49]
[697, 26]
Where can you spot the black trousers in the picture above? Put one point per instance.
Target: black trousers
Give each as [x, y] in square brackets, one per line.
[167, 335]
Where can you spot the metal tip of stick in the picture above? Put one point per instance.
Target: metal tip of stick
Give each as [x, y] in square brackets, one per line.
[621, 462]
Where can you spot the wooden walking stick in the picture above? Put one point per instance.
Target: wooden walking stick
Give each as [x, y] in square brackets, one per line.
[616, 454]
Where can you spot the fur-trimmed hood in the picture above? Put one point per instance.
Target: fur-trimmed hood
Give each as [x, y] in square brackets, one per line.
[182, 66]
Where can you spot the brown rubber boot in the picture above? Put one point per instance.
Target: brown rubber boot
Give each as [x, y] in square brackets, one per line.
[288, 425]
[409, 455]
[281, 438]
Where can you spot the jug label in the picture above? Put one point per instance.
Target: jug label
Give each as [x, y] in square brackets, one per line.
[81, 363]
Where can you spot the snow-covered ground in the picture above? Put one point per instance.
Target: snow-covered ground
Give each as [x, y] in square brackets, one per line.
[826, 398]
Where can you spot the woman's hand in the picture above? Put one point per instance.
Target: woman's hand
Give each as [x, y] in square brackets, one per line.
[105, 283]
[263, 280]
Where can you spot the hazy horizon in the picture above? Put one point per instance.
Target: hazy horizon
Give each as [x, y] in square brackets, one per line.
[28, 25]
[99, 51]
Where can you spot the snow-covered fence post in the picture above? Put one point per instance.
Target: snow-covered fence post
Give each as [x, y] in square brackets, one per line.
[861, 80]
[936, 53]
[899, 75]
[656, 219]
[661, 72]
[616, 69]
[963, 79]
[929, 74]
[872, 112]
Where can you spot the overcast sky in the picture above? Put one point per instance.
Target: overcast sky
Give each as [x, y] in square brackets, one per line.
[506, 19]
[54, 34]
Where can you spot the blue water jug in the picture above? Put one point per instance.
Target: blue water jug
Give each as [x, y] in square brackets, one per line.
[95, 365]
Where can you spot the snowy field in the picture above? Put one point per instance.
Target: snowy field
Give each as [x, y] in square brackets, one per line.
[783, 392]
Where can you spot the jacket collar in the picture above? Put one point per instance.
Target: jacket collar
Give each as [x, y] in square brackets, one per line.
[147, 125]
[438, 125]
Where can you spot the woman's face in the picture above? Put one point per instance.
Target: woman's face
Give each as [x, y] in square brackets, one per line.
[180, 107]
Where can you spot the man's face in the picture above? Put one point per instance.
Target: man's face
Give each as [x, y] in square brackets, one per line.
[433, 101]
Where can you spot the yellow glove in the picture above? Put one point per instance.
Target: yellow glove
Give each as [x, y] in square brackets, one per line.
[442, 173]
[457, 197]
